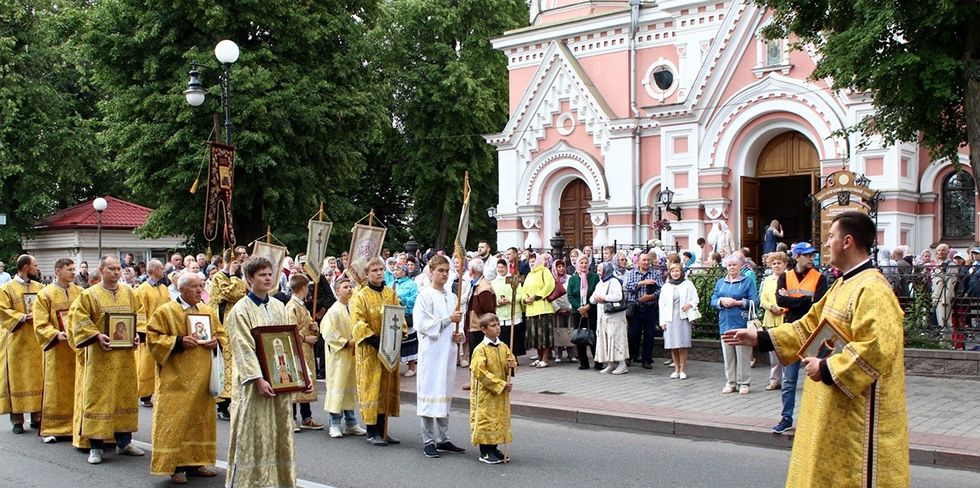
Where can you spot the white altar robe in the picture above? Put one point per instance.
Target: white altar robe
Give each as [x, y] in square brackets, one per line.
[437, 354]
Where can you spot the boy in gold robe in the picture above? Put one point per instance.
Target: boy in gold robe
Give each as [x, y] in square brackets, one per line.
[151, 294]
[50, 315]
[490, 392]
[260, 453]
[341, 392]
[20, 354]
[377, 388]
[308, 334]
[184, 424]
[227, 288]
[109, 400]
[853, 427]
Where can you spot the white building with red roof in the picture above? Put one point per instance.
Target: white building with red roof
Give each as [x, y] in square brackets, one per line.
[73, 233]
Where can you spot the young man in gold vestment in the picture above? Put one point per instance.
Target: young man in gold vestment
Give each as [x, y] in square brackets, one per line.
[853, 427]
[50, 313]
[490, 393]
[184, 423]
[260, 453]
[227, 288]
[20, 354]
[109, 401]
[151, 294]
[377, 388]
[308, 335]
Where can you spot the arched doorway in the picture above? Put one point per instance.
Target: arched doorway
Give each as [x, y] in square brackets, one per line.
[787, 171]
[573, 215]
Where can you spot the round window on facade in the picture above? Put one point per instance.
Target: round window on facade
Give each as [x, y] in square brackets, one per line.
[663, 77]
[661, 80]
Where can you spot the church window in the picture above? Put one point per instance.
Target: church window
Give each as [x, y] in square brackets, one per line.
[959, 206]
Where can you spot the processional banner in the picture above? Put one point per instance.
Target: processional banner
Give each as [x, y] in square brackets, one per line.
[221, 176]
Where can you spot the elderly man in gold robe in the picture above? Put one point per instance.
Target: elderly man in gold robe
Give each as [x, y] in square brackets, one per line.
[227, 288]
[853, 427]
[109, 401]
[184, 424]
[50, 315]
[260, 453]
[21, 383]
[151, 294]
[377, 388]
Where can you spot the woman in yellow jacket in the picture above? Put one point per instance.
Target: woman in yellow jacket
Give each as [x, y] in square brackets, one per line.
[539, 313]
[773, 316]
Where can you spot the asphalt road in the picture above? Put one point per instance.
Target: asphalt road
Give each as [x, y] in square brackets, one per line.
[545, 454]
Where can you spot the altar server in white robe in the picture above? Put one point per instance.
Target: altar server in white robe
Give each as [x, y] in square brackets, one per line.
[436, 320]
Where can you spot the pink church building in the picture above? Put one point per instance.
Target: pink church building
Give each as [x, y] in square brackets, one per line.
[612, 103]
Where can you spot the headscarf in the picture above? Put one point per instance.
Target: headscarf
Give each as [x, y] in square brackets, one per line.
[559, 279]
[607, 272]
[616, 259]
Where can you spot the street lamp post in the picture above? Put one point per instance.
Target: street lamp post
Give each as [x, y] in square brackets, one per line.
[100, 204]
[227, 53]
[665, 198]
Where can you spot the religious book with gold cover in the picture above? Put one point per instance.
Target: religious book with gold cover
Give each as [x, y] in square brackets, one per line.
[824, 342]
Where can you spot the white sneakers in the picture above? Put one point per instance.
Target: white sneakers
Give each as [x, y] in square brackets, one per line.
[130, 450]
[728, 389]
[355, 430]
[675, 375]
[621, 369]
[607, 369]
[335, 432]
[683, 376]
[95, 456]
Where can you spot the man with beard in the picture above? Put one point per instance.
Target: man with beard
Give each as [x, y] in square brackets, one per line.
[20, 354]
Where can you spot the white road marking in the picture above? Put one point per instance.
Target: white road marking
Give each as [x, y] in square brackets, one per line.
[224, 465]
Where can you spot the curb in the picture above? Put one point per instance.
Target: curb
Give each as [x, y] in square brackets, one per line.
[922, 455]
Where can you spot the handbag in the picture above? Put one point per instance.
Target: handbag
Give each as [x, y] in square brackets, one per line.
[693, 314]
[557, 293]
[753, 322]
[217, 383]
[562, 336]
[583, 336]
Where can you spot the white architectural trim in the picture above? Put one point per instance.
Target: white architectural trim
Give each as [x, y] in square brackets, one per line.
[927, 183]
[558, 157]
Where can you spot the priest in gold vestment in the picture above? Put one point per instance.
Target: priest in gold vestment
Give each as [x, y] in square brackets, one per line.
[853, 427]
[21, 383]
[184, 423]
[50, 315]
[260, 453]
[151, 294]
[377, 388]
[108, 402]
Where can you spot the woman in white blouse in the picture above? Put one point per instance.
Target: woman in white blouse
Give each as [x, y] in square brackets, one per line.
[611, 340]
[678, 302]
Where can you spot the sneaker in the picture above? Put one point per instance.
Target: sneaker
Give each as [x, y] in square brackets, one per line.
[410, 373]
[621, 369]
[178, 478]
[728, 389]
[130, 450]
[49, 439]
[500, 455]
[355, 430]
[675, 375]
[608, 369]
[95, 456]
[430, 451]
[296, 427]
[146, 403]
[785, 424]
[743, 390]
[376, 440]
[335, 432]
[647, 365]
[558, 360]
[224, 416]
[490, 459]
[669, 362]
[311, 424]
[391, 440]
[449, 447]
[18, 429]
[682, 376]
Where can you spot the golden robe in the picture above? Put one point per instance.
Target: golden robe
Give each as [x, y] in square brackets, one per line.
[341, 393]
[489, 403]
[58, 402]
[184, 418]
[301, 317]
[260, 453]
[855, 432]
[21, 360]
[150, 297]
[77, 439]
[225, 292]
[377, 388]
[109, 400]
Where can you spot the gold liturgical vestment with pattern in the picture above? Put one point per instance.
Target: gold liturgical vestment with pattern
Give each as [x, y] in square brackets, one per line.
[59, 359]
[109, 402]
[261, 450]
[853, 433]
[184, 417]
[150, 297]
[489, 403]
[377, 388]
[21, 383]
[301, 317]
[341, 392]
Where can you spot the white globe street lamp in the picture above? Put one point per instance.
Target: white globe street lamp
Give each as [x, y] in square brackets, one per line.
[100, 204]
[226, 52]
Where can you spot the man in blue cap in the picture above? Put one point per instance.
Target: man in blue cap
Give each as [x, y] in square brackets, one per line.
[796, 291]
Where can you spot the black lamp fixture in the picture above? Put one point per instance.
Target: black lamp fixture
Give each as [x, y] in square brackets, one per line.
[492, 212]
[666, 197]
[411, 247]
[227, 53]
[862, 181]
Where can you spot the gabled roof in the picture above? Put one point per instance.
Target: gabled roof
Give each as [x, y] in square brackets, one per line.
[119, 214]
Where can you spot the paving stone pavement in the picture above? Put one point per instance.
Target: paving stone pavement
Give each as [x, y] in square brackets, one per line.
[944, 414]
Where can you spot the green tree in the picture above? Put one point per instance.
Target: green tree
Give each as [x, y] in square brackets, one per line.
[447, 86]
[49, 156]
[920, 60]
[304, 107]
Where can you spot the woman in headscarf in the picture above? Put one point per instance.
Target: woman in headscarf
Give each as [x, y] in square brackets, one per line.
[677, 298]
[407, 292]
[539, 313]
[621, 266]
[580, 287]
[611, 341]
[563, 308]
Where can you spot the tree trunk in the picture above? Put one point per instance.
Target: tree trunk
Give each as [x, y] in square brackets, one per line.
[443, 228]
[971, 98]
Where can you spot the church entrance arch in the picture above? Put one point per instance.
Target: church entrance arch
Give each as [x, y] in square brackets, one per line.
[787, 172]
[573, 214]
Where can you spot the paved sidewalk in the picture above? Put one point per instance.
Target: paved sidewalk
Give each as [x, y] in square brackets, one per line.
[944, 414]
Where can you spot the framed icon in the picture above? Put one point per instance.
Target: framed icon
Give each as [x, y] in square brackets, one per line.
[275, 254]
[121, 329]
[365, 243]
[281, 357]
[62, 319]
[29, 299]
[199, 327]
[825, 341]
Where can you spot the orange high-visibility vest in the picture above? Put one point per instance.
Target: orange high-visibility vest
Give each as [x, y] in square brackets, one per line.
[806, 288]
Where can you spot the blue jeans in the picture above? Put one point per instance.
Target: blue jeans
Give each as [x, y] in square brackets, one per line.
[791, 373]
[348, 416]
[122, 440]
[641, 330]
